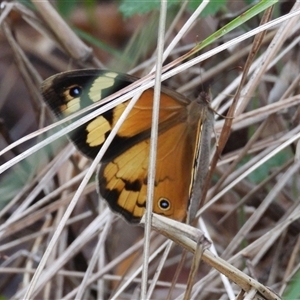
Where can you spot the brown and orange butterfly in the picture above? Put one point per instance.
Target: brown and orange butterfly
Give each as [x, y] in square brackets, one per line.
[183, 143]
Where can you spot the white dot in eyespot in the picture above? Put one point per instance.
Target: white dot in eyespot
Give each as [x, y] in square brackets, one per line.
[75, 91]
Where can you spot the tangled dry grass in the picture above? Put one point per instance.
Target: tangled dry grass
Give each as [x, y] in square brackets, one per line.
[251, 212]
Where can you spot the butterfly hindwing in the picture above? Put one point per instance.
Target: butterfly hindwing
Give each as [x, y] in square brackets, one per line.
[124, 179]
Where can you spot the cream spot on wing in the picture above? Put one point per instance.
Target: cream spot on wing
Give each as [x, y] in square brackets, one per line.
[71, 106]
[101, 83]
[96, 131]
[118, 110]
[111, 74]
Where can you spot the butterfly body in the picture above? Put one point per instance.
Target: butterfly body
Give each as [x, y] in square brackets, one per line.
[122, 176]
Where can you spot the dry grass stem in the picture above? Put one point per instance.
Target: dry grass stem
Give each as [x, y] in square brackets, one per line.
[59, 240]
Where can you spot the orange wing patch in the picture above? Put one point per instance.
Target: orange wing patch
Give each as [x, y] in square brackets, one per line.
[123, 181]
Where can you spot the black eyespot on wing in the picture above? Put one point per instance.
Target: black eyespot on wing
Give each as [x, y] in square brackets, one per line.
[164, 204]
[75, 91]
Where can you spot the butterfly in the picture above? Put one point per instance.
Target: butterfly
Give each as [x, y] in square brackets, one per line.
[183, 144]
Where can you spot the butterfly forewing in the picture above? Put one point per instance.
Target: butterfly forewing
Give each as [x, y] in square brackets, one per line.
[69, 92]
